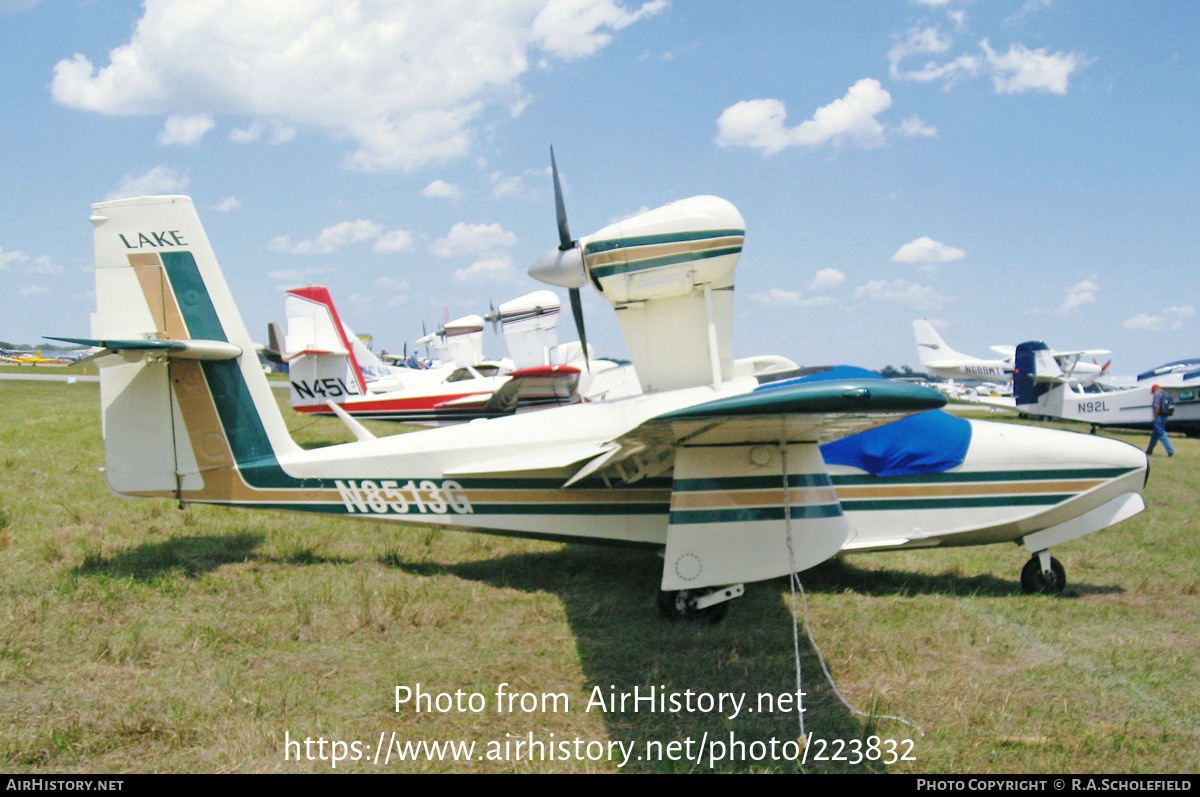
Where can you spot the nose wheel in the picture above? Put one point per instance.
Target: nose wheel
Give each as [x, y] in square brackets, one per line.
[705, 605]
[1043, 575]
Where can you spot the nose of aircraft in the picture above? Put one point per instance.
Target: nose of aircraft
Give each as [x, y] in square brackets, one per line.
[1012, 445]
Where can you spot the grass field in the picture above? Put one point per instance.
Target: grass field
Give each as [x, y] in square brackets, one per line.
[135, 637]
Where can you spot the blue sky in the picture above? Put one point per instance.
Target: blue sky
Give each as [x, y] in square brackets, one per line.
[1012, 170]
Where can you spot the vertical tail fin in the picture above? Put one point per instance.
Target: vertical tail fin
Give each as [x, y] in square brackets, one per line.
[1032, 358]
[930, 346]
[328, 366]
[184, 399]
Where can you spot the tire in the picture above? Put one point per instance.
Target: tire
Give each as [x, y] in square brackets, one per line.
[1035, 582]
[680, 605]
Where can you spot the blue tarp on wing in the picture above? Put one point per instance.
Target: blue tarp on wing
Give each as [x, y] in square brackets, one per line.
[928, 442]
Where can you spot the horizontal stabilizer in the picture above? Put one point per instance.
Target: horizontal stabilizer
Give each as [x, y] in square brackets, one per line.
[183, 349]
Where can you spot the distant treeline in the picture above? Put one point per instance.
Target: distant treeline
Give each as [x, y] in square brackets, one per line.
[904, 372]
[38, 346]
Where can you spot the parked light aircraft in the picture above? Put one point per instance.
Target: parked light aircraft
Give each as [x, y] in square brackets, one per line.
[1040, 388]
[937, 356]
[329, 364]
[716, 465]
[32, 358]
[1189, 366]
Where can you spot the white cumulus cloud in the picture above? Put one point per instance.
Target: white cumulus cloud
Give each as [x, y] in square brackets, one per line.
[928, 253]
[11, 257]
[929, 41]
[572, 29]
[185, 130]
[1169, 319]
[329, 239]
[1022, 69]
[827, 278]
[44, 265]
[334, 237]
[513, 186]
[490, 269]
[916, 126]
[405, 81]
[394, 241]
[1018, 70]
[908, 294]
[472, 240]
[439, 189]
[778, 297]
[1079, 294]
[157, 180]
[759, 124]
[280, 134]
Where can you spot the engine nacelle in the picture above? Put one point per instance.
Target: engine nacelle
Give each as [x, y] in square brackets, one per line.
[666, 252]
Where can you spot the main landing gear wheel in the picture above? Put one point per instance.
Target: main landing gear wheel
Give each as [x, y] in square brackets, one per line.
[681, 605]
[1035, 580]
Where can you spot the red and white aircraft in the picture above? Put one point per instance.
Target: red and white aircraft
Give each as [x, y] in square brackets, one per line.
[329, 365]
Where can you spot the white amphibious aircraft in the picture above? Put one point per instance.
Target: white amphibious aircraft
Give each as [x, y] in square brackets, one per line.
[937, 357]
[1040, 388]
[719, 468]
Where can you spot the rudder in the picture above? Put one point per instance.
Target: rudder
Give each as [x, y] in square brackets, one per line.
[183, 396]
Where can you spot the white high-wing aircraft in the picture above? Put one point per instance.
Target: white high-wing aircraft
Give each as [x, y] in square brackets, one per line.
[937, 356]
[1040, 388]
[329, 366]
[719, 468]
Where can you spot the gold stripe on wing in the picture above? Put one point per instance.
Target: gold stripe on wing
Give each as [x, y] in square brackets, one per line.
[968, 490]
[717, 499]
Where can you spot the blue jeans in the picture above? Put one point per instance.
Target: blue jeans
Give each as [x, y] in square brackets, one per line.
[1160, 433]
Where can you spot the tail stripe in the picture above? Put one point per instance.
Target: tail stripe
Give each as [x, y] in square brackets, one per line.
[187, 285]
[184, 307]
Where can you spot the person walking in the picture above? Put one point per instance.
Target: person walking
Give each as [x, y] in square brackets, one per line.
[1159, 403]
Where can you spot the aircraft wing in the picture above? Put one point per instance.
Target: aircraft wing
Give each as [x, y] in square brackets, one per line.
[818, 412]
[544, 385]
[1082, 353]
[814, 412]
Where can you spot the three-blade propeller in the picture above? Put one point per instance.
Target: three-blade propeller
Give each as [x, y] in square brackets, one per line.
[563, 266]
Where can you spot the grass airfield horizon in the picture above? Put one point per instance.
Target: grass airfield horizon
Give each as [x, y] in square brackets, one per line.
[135, 637]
